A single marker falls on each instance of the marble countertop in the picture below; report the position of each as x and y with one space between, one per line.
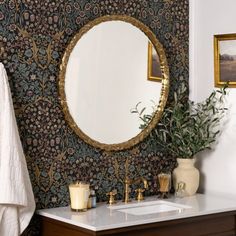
105 217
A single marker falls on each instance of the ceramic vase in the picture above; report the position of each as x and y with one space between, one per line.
186 173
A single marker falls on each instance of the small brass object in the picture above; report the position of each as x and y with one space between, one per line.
128 182
139 192
165 184
111 195
180 191
127 190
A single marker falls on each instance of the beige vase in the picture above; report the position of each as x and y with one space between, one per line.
186 172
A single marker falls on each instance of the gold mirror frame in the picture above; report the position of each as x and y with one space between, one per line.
164 90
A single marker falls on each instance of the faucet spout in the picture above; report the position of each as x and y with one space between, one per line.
128 182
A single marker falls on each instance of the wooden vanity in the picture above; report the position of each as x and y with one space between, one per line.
206 215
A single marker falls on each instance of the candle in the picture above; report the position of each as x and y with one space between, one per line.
79 194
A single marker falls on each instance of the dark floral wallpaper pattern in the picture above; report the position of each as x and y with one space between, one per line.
33 37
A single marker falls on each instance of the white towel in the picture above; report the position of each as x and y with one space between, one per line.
17 203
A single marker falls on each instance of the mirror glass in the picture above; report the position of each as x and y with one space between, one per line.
106 75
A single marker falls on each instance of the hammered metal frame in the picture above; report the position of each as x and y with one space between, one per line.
164 91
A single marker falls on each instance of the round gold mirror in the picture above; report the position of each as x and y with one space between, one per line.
110 65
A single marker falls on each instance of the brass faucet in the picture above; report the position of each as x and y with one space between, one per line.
128 182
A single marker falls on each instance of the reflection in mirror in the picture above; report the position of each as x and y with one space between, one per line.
154 67
105 77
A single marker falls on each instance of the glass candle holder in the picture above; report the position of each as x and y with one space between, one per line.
79 194
164 180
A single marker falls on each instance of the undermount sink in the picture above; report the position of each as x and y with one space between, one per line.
151 207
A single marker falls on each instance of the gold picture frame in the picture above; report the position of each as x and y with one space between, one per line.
225 60
154 66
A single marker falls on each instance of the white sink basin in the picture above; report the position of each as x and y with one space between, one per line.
151 207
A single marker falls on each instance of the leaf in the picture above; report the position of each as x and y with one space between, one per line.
186 127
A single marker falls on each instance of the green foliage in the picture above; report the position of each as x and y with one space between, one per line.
187 128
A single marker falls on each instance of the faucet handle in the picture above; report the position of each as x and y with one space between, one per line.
111 197
139 192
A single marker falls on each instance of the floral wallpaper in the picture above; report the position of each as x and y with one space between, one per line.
33 37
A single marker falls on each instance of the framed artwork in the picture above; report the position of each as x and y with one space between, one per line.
225 59
154 67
